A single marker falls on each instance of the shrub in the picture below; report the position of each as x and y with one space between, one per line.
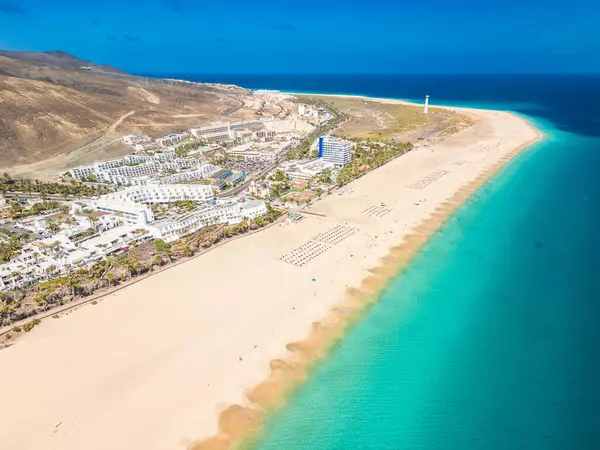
94 302
28 326
161 246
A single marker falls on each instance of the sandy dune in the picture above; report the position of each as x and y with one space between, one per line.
151 366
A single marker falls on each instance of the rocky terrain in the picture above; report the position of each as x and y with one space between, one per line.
53 104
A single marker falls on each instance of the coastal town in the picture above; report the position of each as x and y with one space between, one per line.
297 226
210 179
248 218
270 235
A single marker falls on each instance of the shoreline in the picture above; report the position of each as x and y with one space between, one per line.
148 345
105 292
241 424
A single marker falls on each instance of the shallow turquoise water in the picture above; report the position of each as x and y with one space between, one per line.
484 342
490 339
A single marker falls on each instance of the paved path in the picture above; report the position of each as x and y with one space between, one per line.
105 292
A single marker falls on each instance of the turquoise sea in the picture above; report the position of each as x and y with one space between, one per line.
491 338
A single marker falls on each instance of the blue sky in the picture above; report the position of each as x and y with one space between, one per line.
312 36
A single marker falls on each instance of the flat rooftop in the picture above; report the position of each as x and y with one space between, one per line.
108 236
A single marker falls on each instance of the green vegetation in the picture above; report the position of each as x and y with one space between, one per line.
84 234
157 208
161 246
368 156
26 302
53 228
10 249
185 205
73 189
279 175
303 148
181 152
18 212
183 149
381 121
219 159
324 177
278 189
44 206
30 325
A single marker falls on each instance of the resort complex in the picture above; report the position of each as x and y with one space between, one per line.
141 170
267 231
167 188
217 175
335 150
94 229
395 248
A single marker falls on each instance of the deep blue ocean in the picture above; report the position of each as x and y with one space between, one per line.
491 338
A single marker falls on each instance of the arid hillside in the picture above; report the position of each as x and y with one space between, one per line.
52 104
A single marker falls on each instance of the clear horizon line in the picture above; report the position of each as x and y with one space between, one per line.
386 74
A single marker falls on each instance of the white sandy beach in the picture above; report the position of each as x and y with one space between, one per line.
151 366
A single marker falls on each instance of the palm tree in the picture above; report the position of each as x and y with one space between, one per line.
74 284
93 220
53 228
28 186
42 297
186 251
157 261
133 264
112 279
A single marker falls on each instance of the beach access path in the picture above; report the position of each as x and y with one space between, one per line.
152 365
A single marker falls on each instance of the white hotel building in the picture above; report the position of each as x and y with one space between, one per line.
130 213
223 130
130 206
305 169
173 139
231 214
136 170
253 208
335 150
164 193
172 229
203 171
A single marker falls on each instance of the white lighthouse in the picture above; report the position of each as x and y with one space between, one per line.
426 109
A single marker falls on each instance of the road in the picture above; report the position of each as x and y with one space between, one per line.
112 128
240 187
230 112
10 195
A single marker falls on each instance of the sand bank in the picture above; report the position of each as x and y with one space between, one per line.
159 364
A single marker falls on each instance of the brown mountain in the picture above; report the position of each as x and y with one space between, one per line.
57 58
57 110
